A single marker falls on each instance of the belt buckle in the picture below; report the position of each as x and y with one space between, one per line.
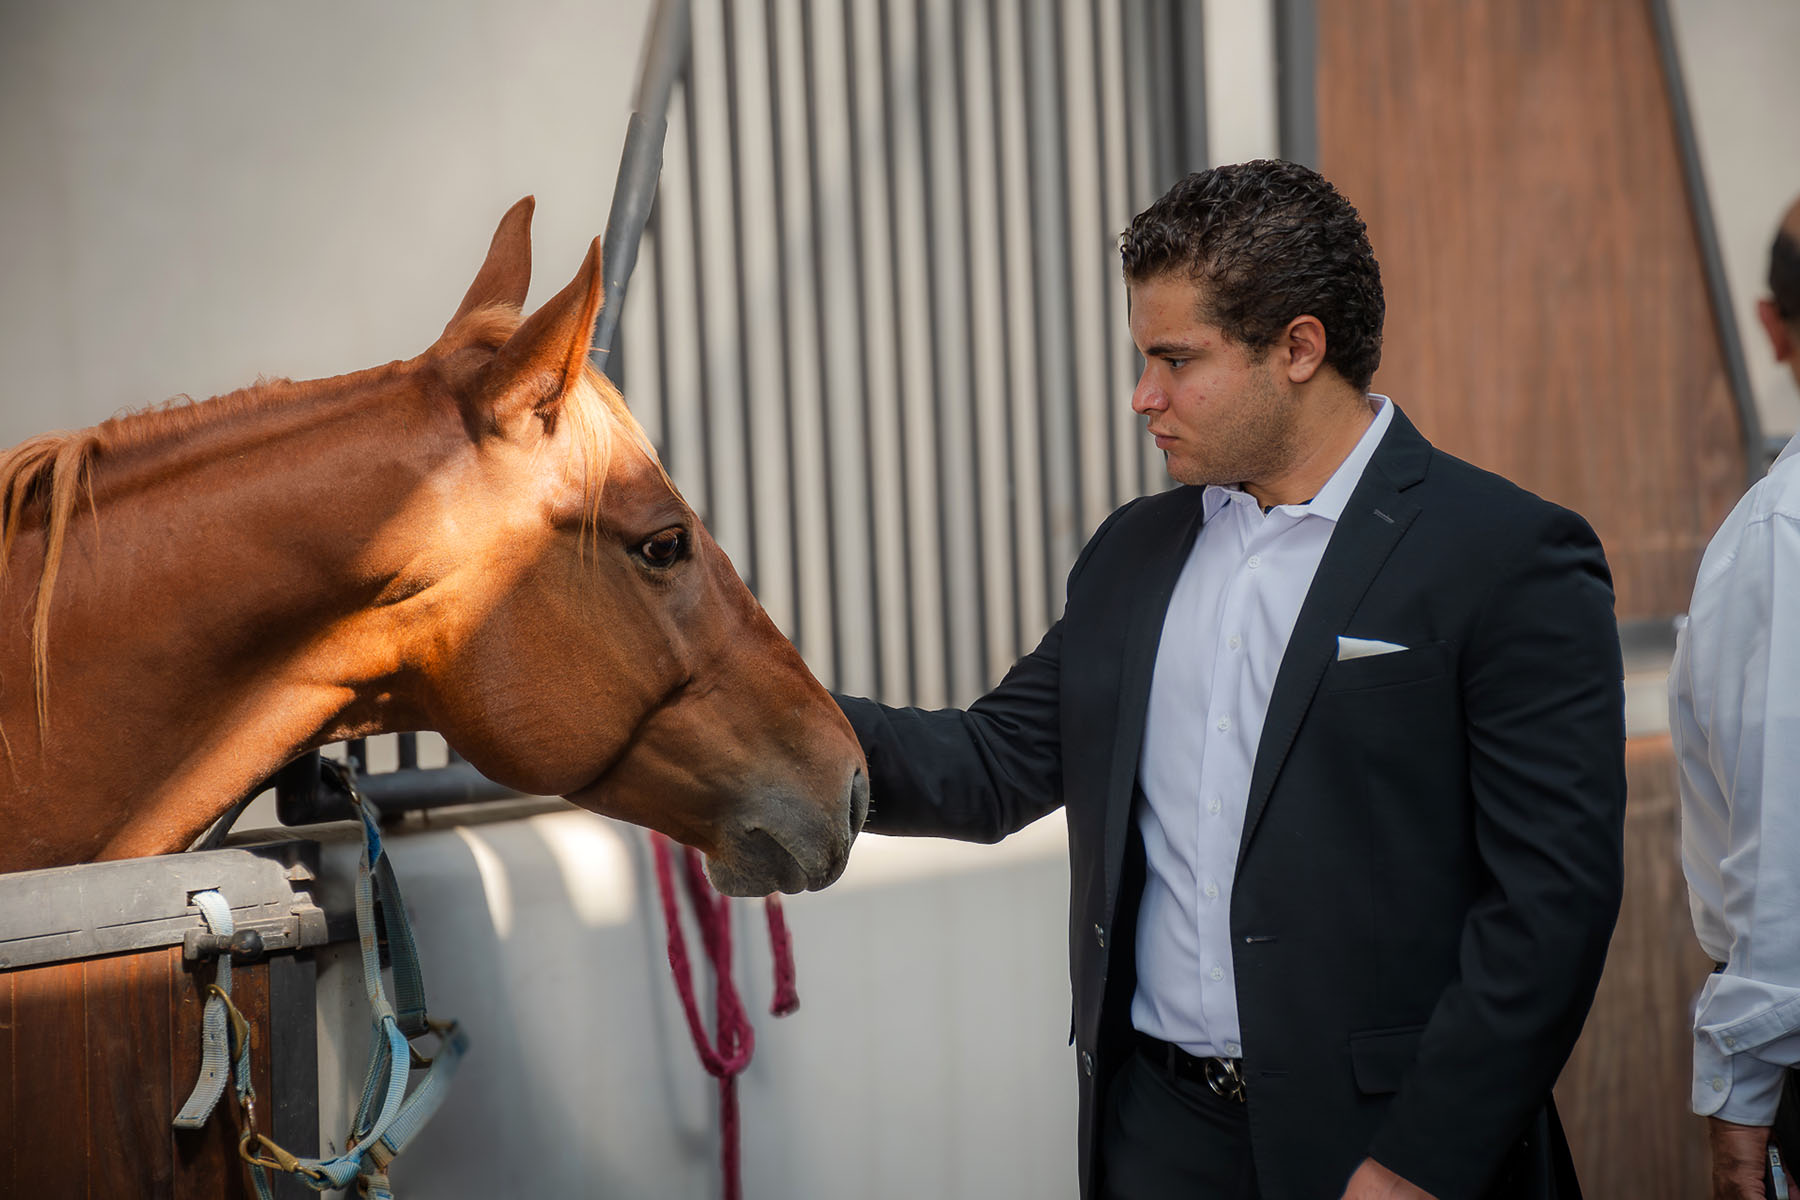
1224 1078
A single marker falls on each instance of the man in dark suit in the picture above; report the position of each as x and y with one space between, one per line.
1338 729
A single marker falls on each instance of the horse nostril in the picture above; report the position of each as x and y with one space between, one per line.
859 801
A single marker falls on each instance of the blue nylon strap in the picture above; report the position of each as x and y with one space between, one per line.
215 1054
387 1119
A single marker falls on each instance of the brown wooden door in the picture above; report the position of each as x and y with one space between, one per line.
95 1059
1517 163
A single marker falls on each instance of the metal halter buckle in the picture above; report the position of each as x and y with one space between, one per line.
1224 1078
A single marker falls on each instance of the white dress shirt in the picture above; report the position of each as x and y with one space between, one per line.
1228 624
1734 716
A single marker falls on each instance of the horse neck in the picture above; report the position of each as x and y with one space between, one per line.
208 621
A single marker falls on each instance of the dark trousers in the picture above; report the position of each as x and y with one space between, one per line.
1167 1136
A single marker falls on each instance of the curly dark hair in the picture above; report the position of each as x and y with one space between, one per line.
1268 241
1784 276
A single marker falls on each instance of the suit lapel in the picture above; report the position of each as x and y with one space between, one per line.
1374 520
1144 617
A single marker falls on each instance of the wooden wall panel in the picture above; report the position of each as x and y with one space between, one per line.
127 1011
1517 164
1624 1095
9 1077
50 1089
95 1058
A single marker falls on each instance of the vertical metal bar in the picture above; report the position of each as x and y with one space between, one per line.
659 264
934 369
1156 82
1045 199
1296 68
1758 450
697 232
1009 397
1050 222
979 652
1189 49
809 75
1109 361
746 400
1131 47
877 614
902 369
784 306
406 749
640 163
358 749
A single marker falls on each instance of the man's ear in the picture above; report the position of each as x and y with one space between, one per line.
537 366
1781 334
506 275
1303 347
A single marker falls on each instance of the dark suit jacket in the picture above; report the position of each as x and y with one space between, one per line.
1431 861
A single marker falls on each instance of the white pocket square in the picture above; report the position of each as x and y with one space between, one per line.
1349 647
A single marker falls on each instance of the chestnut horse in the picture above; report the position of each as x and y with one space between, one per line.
478 541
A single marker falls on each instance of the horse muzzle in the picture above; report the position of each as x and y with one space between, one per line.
788 846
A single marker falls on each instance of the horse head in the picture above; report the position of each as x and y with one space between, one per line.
582 634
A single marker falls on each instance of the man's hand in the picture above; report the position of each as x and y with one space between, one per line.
1739 1153
1373 1181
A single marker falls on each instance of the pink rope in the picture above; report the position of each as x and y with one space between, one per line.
728 1053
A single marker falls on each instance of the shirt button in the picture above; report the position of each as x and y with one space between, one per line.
1224 724
1212 891
1718 1084
1730 1041
1217 973
1087 1063
1233 1050
1235 641
1100 936
1255 561
1213 806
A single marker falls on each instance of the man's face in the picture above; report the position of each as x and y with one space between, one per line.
1219 411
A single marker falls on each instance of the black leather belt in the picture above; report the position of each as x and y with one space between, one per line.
1225 1076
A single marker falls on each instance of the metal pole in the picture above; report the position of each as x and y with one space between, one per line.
1759 451
640 163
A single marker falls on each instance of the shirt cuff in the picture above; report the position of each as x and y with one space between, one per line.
1740 1088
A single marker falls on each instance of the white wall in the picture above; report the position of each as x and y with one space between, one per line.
1744 85
928 1057
198 193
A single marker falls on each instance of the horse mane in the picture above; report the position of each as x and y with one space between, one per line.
56 469
52 473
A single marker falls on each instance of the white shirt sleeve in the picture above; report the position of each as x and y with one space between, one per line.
1734 691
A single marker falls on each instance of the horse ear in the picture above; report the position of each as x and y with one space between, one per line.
541 361
506 275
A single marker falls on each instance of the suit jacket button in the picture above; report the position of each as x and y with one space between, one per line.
1100 936
1087 1063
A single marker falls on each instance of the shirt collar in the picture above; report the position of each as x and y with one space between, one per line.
1791 450
1330 500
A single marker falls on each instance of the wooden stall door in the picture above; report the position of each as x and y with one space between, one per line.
1517 163
95 1058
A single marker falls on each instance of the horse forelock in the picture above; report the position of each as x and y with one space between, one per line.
595 416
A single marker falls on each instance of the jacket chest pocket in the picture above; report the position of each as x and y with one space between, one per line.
1396 668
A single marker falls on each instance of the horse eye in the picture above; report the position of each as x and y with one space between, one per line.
664 549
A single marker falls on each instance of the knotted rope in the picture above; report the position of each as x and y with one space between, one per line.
727 1054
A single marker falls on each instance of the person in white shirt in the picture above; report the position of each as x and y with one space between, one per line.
1734 716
